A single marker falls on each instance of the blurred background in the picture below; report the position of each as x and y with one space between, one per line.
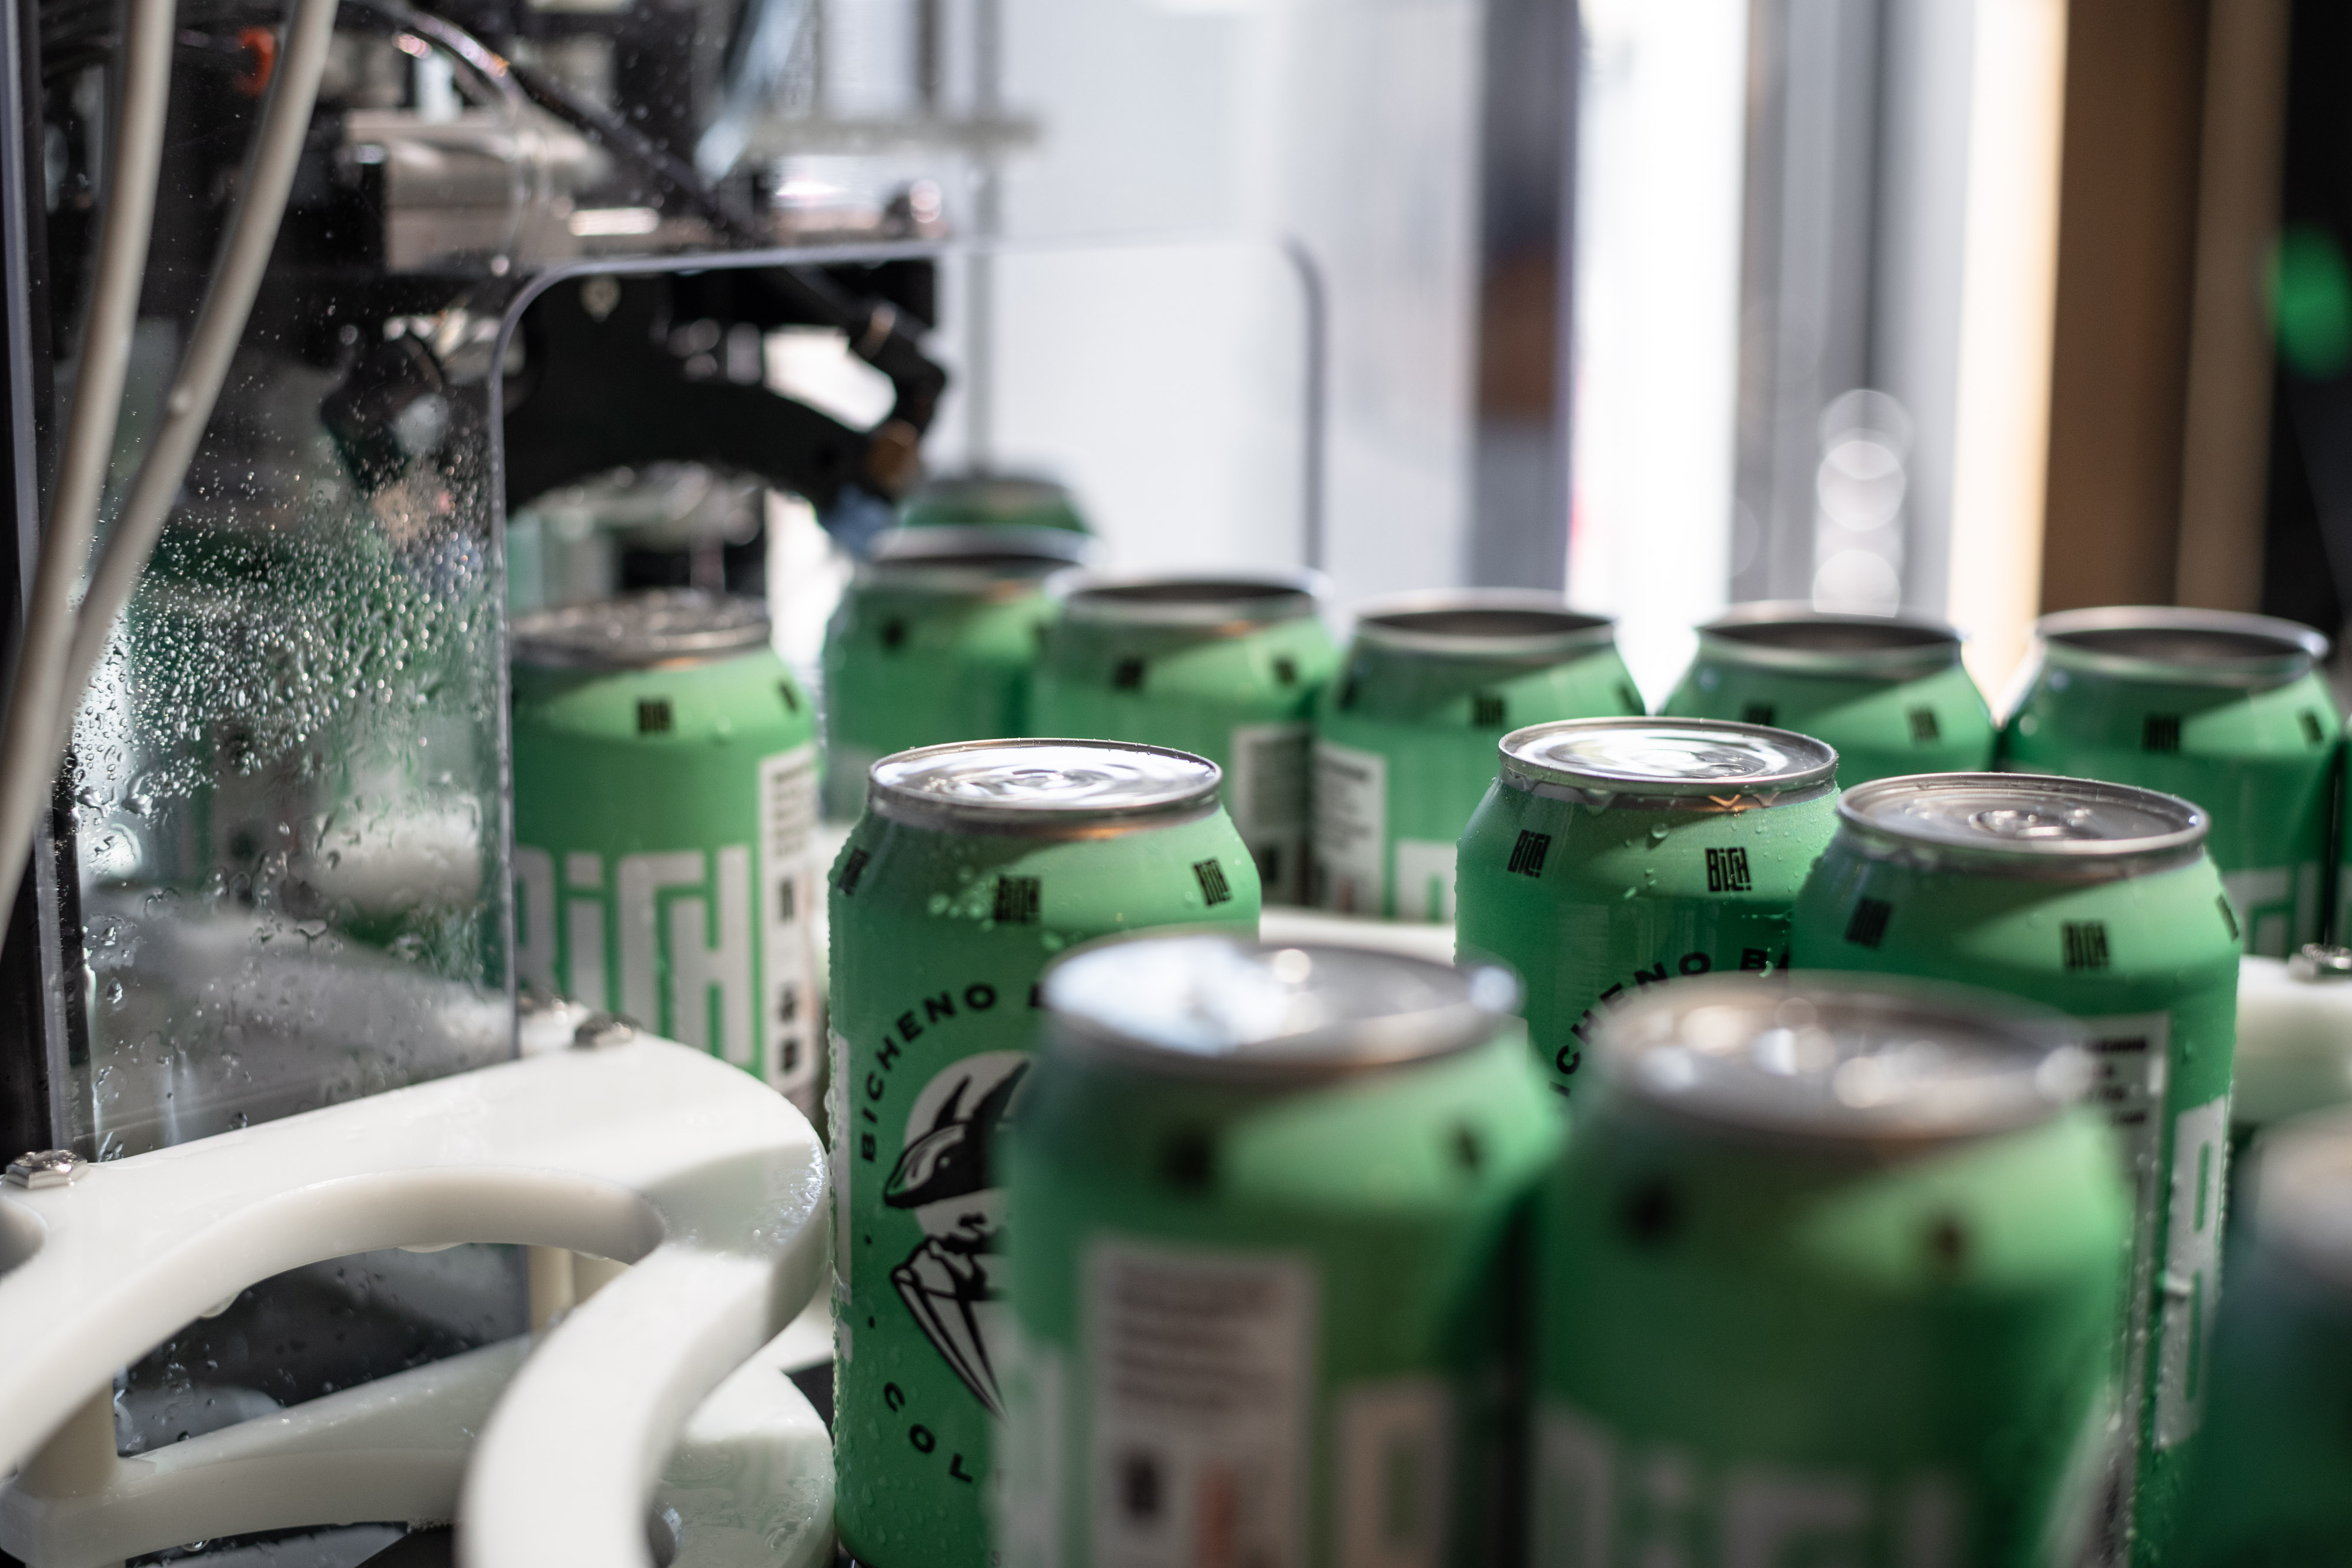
1972 307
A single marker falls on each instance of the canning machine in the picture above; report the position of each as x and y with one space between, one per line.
301 301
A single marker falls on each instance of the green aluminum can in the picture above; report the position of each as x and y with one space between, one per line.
934 641
2226 710
665 825
1225 666
1828 1276
992 501
2274 1483
1615 855
973 865
1889 694
1270 1208
2098 900
1404 739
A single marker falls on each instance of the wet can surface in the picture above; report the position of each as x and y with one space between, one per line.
1405 735
1225 666
2097 900
665 821
2226 710
1888 694
934 641
1829 1274
1270 1206
972 866
2275 1484
1613 855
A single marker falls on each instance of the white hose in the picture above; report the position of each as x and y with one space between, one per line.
36 686
220 325
36 743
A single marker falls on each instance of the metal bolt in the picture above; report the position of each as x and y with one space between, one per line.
604 1028
45 1167
2318 961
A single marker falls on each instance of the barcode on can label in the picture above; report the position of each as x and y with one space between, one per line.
1200 1369
1351 792
1267 792
2128 1055
787 892
2192 1268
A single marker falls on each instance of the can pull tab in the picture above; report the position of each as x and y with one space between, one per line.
2027 822
2318 962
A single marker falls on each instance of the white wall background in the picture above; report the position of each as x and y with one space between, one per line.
1657 321
1161 372
1151 330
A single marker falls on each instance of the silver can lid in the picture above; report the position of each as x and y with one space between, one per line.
1039 787
2303 1194
959 500
1783 635
1236 600
1028 549
1483 624
2195 647
638 631
1842 1058
2024 824
969 563
1695 763
1201 1004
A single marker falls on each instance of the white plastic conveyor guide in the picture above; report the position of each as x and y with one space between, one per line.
636 1150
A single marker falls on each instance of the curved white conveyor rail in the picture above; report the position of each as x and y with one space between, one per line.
638 1150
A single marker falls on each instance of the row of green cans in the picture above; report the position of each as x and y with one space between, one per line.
2226 710
1828 1273
1831 1272
954 633
973 865
958 633
1405 738
665 823
1612 858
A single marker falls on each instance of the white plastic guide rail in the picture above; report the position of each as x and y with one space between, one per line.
2295 1035
636 1150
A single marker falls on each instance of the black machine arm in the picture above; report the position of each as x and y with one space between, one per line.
603 386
